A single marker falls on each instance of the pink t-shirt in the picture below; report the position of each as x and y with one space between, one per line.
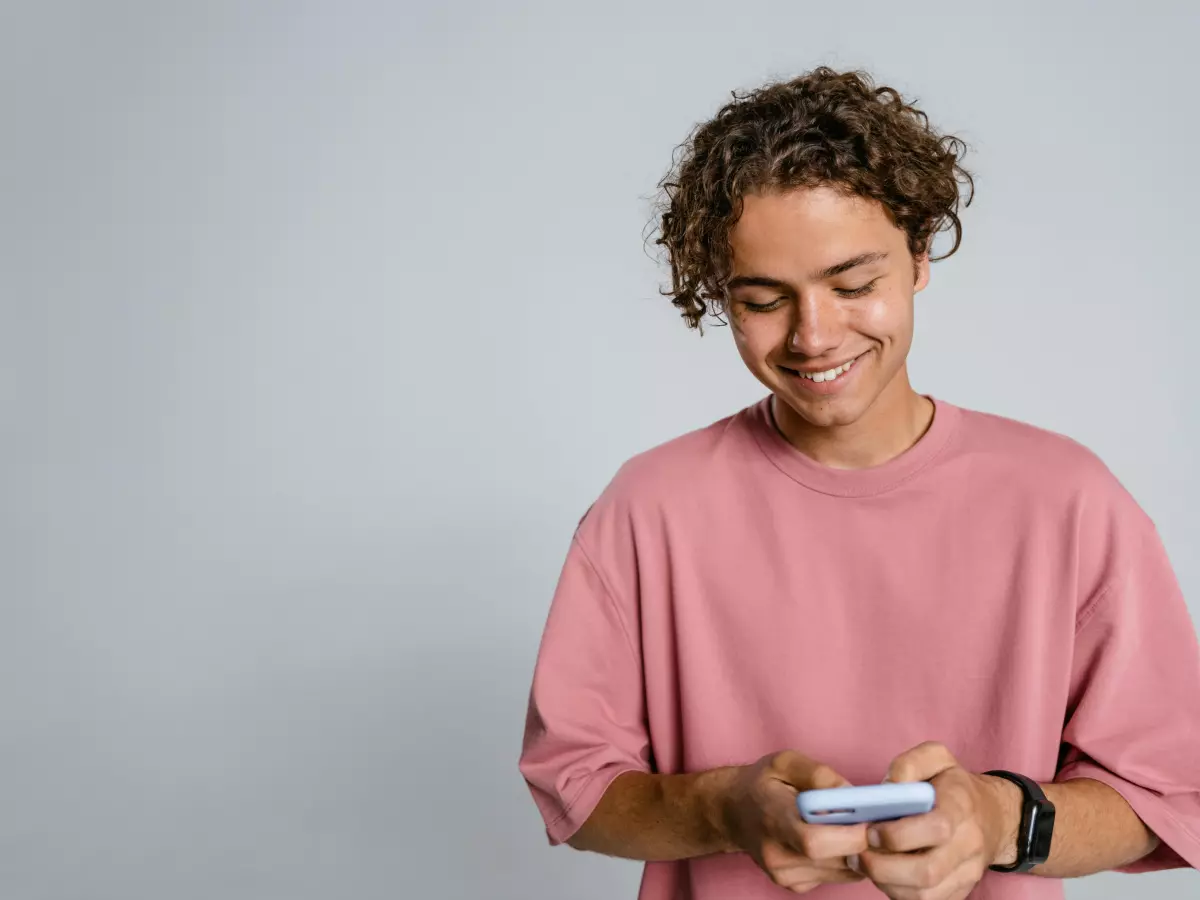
993 588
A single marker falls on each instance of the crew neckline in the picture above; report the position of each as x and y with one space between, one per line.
853 482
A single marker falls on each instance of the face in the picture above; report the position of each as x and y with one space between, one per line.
820 301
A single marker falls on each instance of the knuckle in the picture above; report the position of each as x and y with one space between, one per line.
777 876
978 842
823 776
814 844
807 843
783 758
979 868
772 856
927 875
942 828
904 764
934 748
786 760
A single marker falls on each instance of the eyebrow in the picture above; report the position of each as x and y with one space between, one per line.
828 272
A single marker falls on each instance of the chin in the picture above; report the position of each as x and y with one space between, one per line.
830 415
824 412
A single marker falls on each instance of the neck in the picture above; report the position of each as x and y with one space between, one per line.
891 425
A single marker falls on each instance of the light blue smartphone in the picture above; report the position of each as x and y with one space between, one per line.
865 803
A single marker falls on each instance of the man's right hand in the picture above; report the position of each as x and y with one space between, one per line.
759 816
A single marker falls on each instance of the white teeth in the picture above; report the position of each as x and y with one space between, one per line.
821 377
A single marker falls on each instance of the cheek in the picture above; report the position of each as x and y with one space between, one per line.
754 337
885 317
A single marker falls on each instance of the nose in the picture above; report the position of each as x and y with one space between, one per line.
816 328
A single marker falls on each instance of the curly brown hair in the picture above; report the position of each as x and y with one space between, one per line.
821 128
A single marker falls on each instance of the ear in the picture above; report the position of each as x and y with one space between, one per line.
921 271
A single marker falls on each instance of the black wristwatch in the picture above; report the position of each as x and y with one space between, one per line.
1037 824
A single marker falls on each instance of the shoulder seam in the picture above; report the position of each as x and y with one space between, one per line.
1085 615
609 594
1101 596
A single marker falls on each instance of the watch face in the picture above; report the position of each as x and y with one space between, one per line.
1042 827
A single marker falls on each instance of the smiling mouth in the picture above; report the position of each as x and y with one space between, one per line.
827 375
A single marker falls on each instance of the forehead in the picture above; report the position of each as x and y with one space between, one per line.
808 228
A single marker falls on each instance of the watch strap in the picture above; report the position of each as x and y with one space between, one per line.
1037 823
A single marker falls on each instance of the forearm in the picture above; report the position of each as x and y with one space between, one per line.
659 817
1095 829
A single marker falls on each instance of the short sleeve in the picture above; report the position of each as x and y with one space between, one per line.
1133 721
585 723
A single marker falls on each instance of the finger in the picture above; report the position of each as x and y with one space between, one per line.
926 869
931 829
819 870
828 842
922 763
802 884
805 774
798 873
956 886
780 858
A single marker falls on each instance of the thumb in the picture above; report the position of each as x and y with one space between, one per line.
922 763
806 774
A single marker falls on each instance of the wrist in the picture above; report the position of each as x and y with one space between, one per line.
714 795
1007 802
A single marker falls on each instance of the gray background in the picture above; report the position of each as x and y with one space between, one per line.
324 322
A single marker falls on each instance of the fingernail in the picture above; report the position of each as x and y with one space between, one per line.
853 863
873 838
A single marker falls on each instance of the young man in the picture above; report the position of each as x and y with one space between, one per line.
850 581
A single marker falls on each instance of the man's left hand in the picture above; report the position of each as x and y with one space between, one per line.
942 854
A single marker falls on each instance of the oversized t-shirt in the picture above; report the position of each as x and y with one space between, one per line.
993 588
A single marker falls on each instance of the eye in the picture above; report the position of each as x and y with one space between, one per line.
762 307
859 291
